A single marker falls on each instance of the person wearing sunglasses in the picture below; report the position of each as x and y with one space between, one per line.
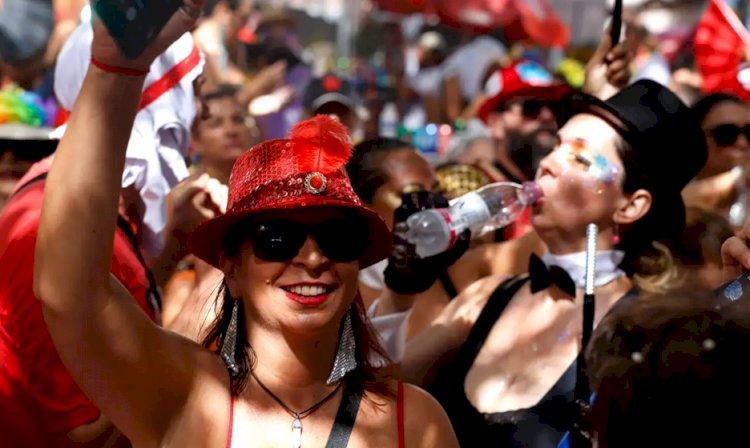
291 359
20 147
520 110
381 171
501 358
395 180
722 185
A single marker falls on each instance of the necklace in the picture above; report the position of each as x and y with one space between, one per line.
298 416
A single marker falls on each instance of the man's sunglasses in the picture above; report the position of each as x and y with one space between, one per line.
531 109
341 240
727 134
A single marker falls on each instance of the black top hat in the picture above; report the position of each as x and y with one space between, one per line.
328 89
669 147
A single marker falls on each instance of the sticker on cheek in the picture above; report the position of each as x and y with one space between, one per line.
603 172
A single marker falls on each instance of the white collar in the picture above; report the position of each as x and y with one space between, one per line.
606 266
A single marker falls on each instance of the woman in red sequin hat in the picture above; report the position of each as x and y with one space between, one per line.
291 359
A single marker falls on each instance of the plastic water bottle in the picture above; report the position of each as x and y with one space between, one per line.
491 207
389 120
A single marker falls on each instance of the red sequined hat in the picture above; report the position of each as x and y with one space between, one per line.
305 171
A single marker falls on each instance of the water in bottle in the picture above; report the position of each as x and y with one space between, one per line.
389 120
491 207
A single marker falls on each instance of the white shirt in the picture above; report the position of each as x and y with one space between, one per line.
470 62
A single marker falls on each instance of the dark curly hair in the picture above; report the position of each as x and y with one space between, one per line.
670 371
365 168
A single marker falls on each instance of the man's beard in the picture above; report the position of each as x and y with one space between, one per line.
527 150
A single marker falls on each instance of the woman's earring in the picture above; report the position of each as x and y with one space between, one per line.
346 355
616 234
229 345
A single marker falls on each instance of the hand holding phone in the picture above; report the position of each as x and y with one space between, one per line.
132 33
134 24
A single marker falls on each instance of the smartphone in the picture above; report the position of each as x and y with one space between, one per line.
134 24
616 23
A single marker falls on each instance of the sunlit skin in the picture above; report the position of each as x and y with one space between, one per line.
406 170
600 169
162 389
261 283
544 124
572 196
537 337
222 137
12 170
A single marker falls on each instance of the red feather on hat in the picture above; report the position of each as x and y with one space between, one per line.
322 144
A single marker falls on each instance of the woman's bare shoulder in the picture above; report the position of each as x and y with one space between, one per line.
425 421
205 414
475 295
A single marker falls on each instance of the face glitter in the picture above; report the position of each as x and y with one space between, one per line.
601 170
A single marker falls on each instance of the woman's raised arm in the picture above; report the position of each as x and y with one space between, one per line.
137 374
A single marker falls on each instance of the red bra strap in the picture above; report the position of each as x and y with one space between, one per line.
400 406
231 423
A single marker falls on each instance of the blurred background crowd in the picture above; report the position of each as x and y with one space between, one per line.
439 95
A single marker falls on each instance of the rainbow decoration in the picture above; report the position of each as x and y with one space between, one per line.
23 107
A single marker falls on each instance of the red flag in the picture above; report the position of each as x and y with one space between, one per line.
533 20
404 6
541 24
720 44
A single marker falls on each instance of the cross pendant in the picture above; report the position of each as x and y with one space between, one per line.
297 433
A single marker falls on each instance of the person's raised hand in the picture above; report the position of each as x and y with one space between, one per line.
608 70
735 255
105 50
193 201
406 272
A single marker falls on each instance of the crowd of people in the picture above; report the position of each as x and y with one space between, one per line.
205 245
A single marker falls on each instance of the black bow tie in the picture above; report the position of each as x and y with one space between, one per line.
543 277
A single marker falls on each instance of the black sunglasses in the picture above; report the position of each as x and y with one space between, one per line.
727 134
28 150
340 240
532 109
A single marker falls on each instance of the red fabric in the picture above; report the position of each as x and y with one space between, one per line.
118 70
520 226
41 393
720 42
405 6
154 91
400 416
62 117
533 20
17 416
170 79
306 170
231 422
538 22
523 79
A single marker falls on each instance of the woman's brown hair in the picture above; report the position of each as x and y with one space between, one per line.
646 242
668 371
